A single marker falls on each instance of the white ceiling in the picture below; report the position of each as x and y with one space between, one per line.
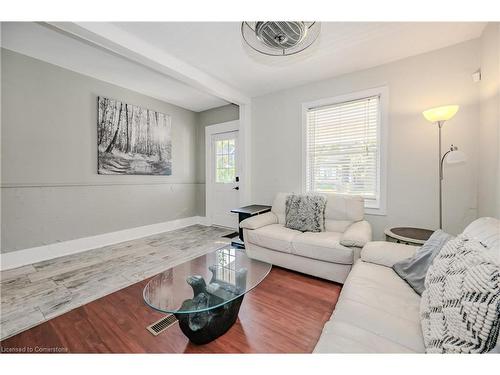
47 44
213 53
217 49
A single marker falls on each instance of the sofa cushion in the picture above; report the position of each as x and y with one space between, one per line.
275 237
279 206
323 246
358 234
380 288
486 230
305 212
258 221
376 311
386 253
342 337
340 211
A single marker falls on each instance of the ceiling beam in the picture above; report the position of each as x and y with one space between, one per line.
119 41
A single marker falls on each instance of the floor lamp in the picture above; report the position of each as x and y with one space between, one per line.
439 116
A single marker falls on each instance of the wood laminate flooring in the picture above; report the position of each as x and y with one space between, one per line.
285 313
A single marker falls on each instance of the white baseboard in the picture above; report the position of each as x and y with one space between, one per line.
24 257
204 220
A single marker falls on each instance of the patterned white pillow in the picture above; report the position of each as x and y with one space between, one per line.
460 307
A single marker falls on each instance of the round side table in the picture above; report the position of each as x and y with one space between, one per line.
408 235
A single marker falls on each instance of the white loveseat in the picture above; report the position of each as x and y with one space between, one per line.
329 254
377 312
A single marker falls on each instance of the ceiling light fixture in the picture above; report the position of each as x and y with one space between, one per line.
280 38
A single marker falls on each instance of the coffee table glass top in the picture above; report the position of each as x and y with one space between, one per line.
204 283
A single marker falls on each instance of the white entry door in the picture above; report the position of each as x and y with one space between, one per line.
224 179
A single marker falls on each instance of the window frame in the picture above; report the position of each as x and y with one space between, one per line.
379 206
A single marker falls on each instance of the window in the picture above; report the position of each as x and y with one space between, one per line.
343 150
225 168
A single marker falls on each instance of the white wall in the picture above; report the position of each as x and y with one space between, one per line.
415 84
489 124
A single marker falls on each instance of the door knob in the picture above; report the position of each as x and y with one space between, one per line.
236 188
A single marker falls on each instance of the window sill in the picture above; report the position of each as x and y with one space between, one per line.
375 211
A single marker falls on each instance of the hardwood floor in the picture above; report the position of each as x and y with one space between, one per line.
283 314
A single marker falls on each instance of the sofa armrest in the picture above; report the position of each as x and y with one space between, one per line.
386 253
258 221
357 234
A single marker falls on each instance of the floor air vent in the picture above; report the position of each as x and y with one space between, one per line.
161 325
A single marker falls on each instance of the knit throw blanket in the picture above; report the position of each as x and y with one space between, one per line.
460 306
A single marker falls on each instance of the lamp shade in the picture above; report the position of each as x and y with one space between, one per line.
456 156
440 113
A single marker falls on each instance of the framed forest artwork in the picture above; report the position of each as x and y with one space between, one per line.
132 140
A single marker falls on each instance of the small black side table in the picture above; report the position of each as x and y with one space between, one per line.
244 213
408 235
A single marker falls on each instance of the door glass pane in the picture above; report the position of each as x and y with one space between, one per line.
231 146
220 164
225 162
218 148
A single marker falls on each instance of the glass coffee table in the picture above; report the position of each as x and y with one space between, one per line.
205 294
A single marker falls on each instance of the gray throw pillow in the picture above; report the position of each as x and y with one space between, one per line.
305 212
414 269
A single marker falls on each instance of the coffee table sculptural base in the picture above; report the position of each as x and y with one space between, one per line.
206 325
205 293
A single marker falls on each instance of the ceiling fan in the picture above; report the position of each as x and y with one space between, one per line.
280 38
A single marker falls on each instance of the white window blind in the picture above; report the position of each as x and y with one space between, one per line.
343 148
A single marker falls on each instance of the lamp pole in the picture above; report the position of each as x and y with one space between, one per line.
440 162
441 176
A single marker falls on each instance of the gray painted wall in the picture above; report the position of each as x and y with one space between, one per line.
415 84
489 124
50 187
213 116
51 192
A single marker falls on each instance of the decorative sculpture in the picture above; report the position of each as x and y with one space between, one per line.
207 315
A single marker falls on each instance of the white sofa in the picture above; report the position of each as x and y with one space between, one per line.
377 312
329 254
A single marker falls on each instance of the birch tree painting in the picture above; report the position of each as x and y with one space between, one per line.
132 139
